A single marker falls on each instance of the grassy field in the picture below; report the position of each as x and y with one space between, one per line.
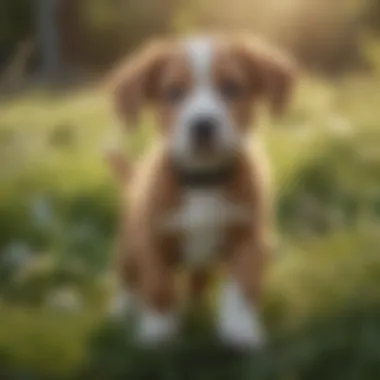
58 209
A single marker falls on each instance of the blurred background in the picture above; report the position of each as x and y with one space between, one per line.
59 203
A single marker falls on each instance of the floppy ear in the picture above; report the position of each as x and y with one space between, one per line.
272 73
134 82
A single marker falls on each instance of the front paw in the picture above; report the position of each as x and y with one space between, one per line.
154 328
238 323
241 329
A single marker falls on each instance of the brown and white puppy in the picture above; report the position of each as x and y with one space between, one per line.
201 197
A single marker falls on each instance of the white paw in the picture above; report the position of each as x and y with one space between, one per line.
241 330
155 328
238 323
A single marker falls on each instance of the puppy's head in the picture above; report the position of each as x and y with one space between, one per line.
203 90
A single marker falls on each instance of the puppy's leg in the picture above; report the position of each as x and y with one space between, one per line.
153 193
159 320
197 285
147 289
238 320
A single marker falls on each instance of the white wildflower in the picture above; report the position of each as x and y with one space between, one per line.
65 299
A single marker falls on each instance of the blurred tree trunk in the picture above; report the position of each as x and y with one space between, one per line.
70 24
48 36
15 74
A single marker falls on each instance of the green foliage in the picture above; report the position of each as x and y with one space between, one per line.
342 346
48 344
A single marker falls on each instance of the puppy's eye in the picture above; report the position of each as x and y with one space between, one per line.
231 90
174 94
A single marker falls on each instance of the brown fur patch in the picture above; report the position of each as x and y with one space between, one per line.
271 72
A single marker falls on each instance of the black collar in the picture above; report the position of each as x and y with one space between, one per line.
201 178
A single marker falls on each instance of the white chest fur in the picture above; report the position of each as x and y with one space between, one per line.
201 219
204 215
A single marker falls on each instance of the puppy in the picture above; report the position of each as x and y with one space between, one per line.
201 196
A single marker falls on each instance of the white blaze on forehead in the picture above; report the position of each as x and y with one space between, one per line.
202 101
200 52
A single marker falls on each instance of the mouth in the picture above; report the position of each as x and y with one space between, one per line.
205 176
212 150
205 159
205 149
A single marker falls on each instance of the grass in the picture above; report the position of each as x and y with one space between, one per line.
45 342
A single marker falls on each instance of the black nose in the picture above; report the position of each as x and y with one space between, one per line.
203 131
